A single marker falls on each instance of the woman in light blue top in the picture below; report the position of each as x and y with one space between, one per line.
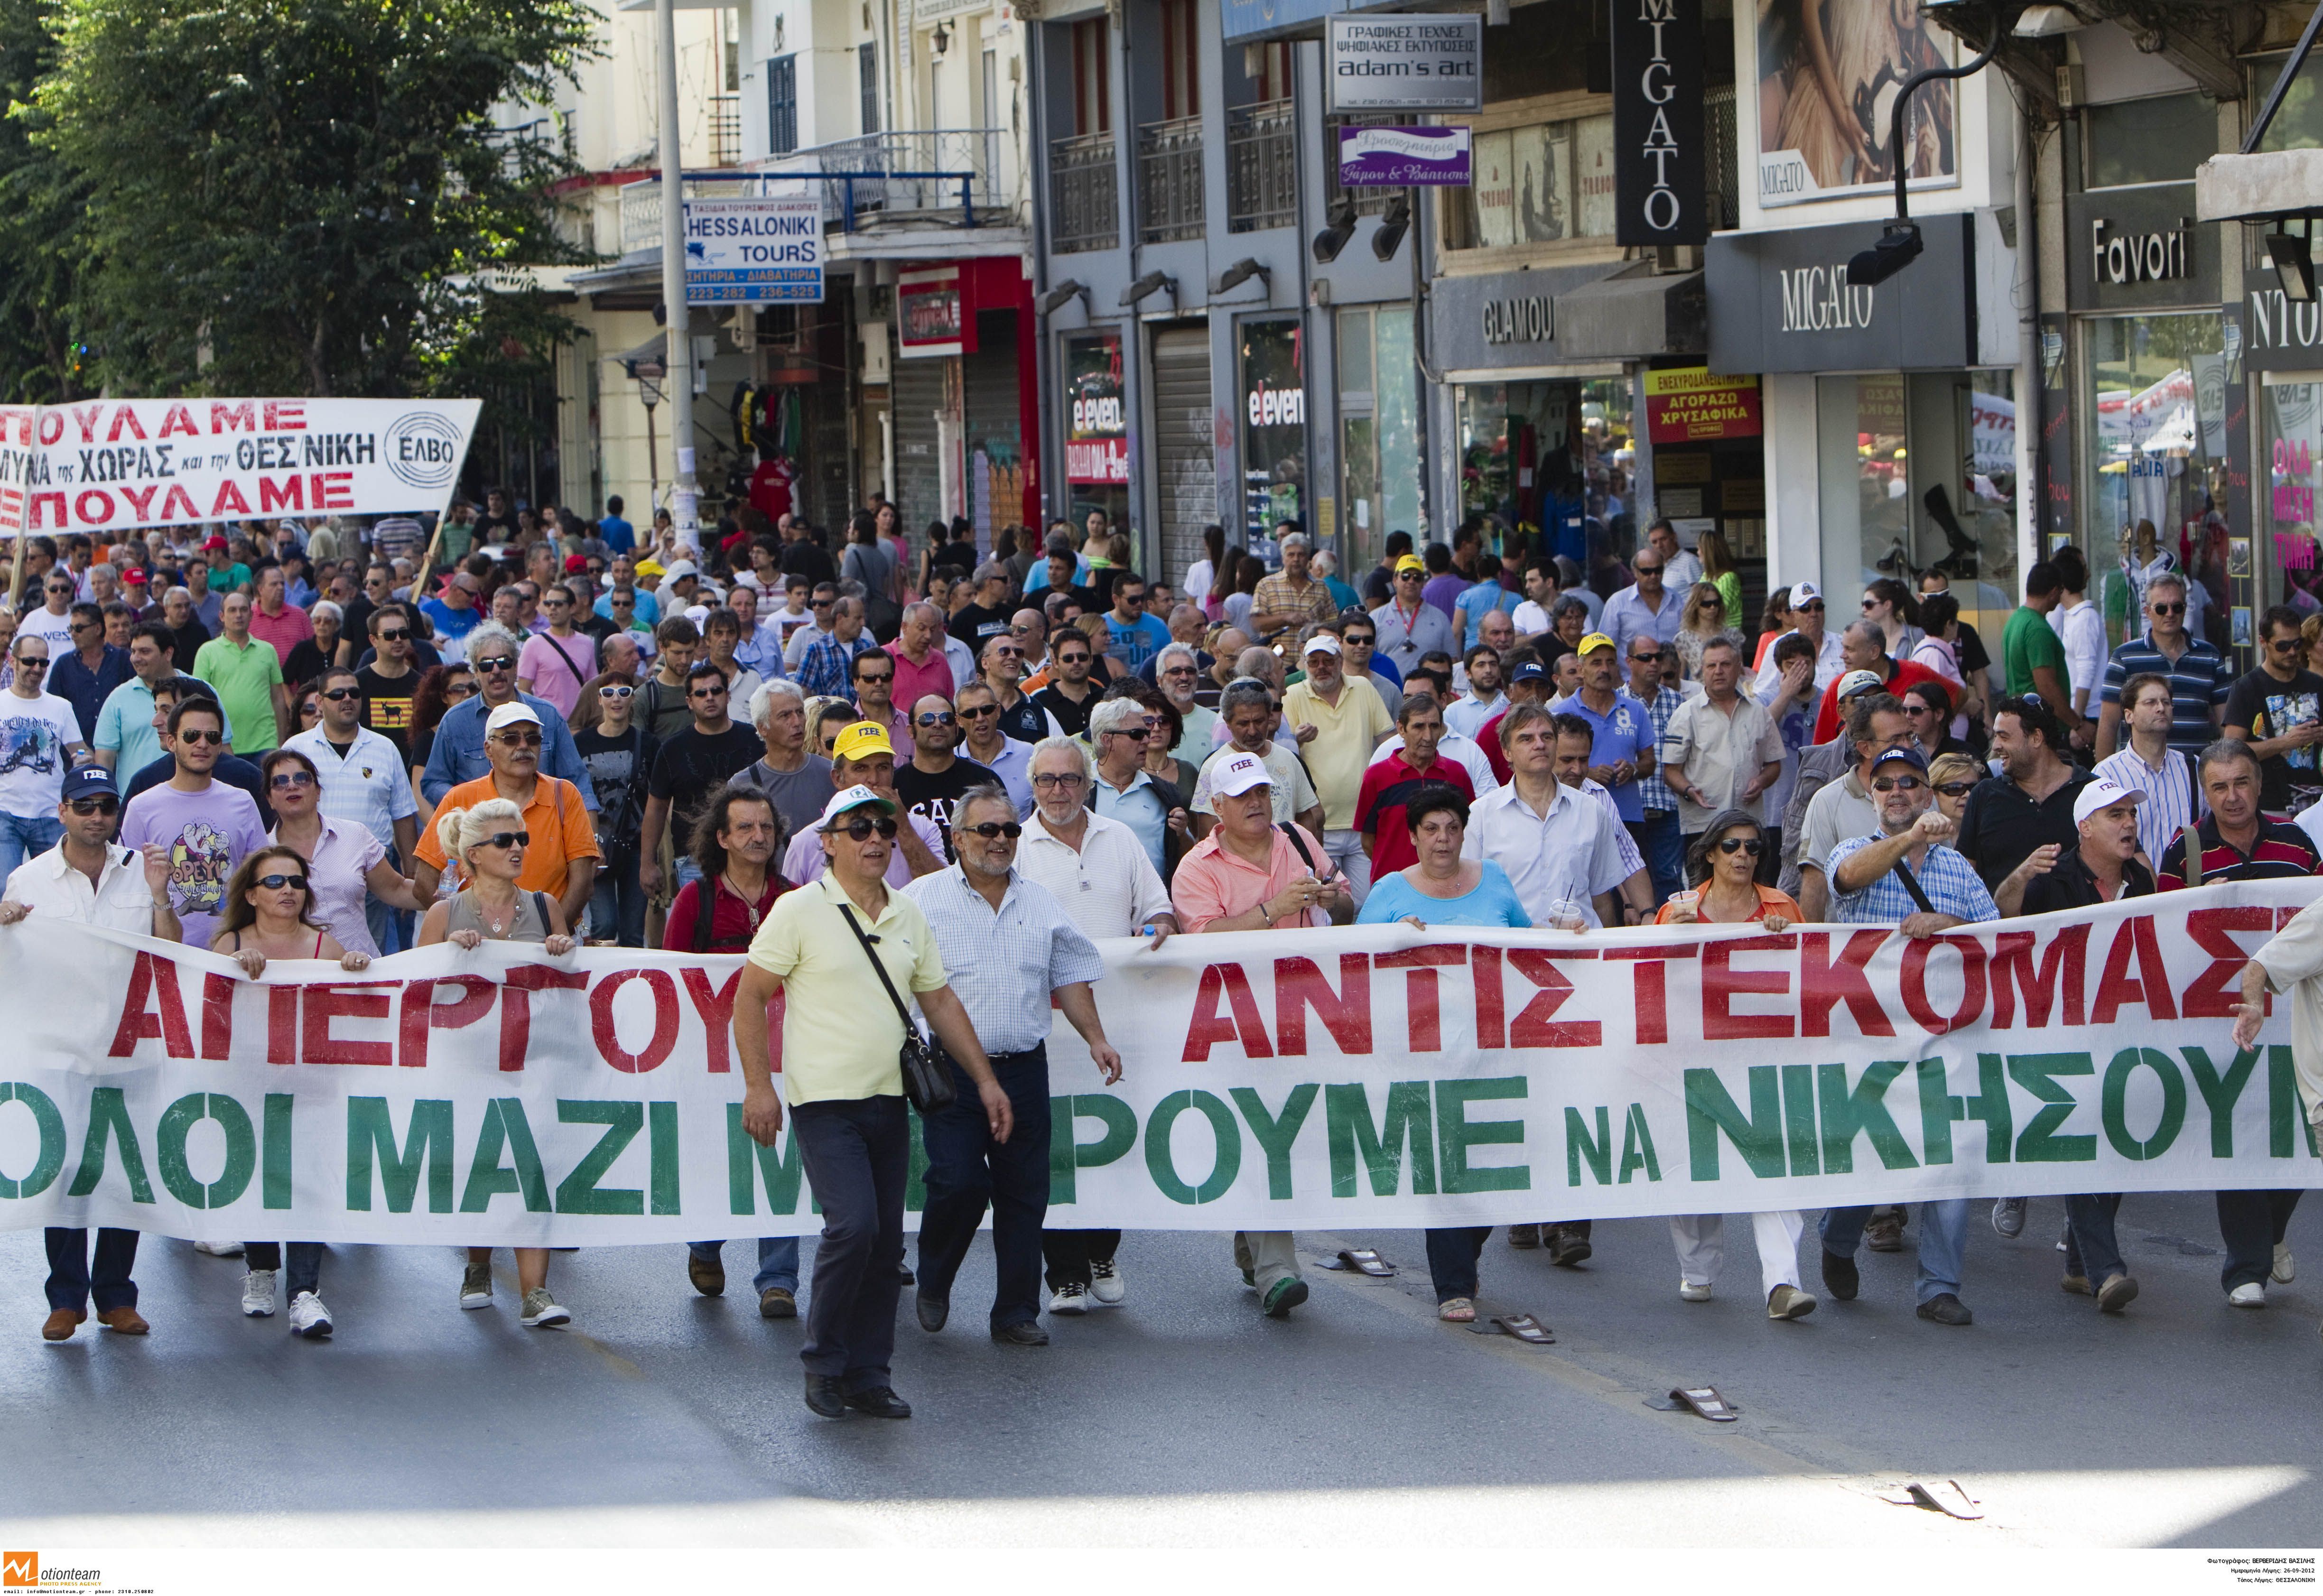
1443 888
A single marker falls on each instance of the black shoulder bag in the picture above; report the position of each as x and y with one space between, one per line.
927 1079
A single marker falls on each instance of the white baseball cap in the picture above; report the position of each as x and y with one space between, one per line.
2102 794
1805 593
1320 643
852 798
515 712
1239 774
678 570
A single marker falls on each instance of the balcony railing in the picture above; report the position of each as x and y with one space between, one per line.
1084 194
1721 175
1170 180
725 130
1262 167
914 175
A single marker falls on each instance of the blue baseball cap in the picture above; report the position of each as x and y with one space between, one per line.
89 781
1902 755
1528 671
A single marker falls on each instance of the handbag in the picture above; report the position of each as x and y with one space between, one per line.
927 1079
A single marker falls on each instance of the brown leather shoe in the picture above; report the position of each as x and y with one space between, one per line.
123 1321
708 1275
775 1303
62 1323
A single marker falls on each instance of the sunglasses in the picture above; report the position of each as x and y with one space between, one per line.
395 636
458 690
821 603
615 691
1753 846
1813 609
991 828
508 839
31 662
940 718
1649 658
518 739
85 626
338 694
1896 783
494 664
1072 659
87 806
2285 644
1647 570
1353 640
2167 608
882 679
708 693
287 779
860 830
1956 789
199 738
978 713
277 882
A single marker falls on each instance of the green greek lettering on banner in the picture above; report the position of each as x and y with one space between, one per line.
747 1163
507 1130
371 1135
1347 1118
1863 1110
1275 1132
177 1122
1711 1110
2037 1073
1164 1169
2283 1105
50 1161
578 1193
1067 1157
2220 1093
1799 1119
661 1146
1638 1147
1581 1147
2114 1103
275 1179
108 1125
1456 1134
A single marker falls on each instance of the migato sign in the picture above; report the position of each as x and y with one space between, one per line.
1820 299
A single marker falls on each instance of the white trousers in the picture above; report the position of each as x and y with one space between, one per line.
1701 1242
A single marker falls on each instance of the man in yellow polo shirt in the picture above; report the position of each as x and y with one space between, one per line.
561 854
1348 720
247 672
841 1033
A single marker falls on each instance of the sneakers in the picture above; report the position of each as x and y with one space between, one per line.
2249 1294
310 1318
219 1249
1688 1291
1108 1288
2117 1294
476 1286
541 1311
1073 1298
1944 1308
2078 1285
1789 1302
258 1294
2008 1217
2286 1267
1283 1295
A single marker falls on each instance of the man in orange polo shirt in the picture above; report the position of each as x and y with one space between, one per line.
1249 874
561 855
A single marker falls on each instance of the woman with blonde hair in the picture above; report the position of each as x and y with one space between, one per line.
1718 570
1703 618
270 914
488 841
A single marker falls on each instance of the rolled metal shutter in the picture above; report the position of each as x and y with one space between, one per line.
1183 450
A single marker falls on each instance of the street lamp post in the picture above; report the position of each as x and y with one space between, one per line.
684 494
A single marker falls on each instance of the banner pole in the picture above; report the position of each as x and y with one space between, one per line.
24 526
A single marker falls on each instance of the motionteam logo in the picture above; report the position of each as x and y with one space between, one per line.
22 1571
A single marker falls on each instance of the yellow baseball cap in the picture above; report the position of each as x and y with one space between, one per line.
861 740
1593 642
649 568
1411 563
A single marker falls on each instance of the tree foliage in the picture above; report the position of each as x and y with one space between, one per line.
41 359
299 196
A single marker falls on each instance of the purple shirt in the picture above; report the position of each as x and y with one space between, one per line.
1444 592
207 834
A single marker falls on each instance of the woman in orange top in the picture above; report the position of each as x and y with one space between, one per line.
1723 865
1720 865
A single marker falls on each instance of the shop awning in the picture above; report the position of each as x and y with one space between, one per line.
1633 314
2259 187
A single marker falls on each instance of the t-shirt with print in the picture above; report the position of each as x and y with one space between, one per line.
618 768
206 835
34 733
933 796
387 706
2265 708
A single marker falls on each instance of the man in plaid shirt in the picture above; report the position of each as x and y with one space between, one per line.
1658 837
1868 885
826 667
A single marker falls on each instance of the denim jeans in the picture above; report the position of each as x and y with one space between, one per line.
24 836
1345 850
71 1280
968 1172
858 1152
618 907
2092 1248
2252 1224
1452 1255
306 1271
1943 1238
682 869
1658 838
777 1262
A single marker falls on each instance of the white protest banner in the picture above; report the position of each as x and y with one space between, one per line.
110 466
1373 1077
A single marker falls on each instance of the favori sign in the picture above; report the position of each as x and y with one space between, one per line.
112 464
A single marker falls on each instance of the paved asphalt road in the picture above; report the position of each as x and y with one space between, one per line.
1184 1417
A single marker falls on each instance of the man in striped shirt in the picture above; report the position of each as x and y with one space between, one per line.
2201 678
2149 765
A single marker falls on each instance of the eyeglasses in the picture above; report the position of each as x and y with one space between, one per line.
978 712
991 828
1753 846
338 694
87 806
502 664
1181 671
197 738
1065 779
615 691
939 718
277 882
1956 789
518 740
860 830
508 839
1896 783
282 780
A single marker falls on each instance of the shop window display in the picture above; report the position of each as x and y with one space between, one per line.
2155 405
1553 459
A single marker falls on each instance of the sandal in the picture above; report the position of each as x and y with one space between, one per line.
1457 1310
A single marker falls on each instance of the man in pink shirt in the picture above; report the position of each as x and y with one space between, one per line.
921 668
1250 875
276 619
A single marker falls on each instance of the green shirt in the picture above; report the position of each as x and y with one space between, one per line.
245 679
237 576
2025 643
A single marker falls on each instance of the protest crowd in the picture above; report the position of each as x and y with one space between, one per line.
901 772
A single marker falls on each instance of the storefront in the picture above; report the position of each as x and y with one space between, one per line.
1272 353
966 441
1901 421
1096 425
2280 339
